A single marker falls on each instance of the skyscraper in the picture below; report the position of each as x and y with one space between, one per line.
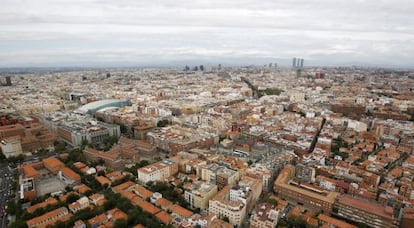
294 62
301 63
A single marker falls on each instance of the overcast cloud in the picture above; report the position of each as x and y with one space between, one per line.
154 32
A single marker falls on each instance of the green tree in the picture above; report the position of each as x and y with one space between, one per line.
60 146
12 207
19 223
163 123
121 223
72 198
123 128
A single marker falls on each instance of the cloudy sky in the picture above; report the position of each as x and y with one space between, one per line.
155 32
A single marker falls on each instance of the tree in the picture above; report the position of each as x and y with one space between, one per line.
72 198
121 223
12 207
60 146
267 199
123 128
19 223
17 159
163 123
2 157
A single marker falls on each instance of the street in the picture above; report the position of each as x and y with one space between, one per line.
6 180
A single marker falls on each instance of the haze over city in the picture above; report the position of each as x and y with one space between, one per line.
49 33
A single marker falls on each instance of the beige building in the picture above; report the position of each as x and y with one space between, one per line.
311 197
222 206
265 215
261 172
219 175
80 204
11 147
199 193
372 214
158 171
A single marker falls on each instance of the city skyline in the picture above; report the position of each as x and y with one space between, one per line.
155 33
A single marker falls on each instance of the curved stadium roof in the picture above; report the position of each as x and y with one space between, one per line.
92 107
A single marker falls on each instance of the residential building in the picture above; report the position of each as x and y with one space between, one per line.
305 173
369 213
80 204
116 158
265 215
69 176
199 193
222 206
108 217
53 164
27 188
11 147
260 171
311 197
158 171
219 175
329 222
50 218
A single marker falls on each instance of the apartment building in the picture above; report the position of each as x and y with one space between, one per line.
75 129
260 171
174 139
199 193
50 218
69 176
222 206
11 147
265 215
219 175
158 171
116 158
361 211
53 164
309 196
80 204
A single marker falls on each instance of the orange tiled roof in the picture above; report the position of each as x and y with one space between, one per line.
48 201
53 162
81 188
148 207
335 222
49 218
164 217
79 165
70 173
143 192
123 186
117 214
162 202
181 211
103 180
29 171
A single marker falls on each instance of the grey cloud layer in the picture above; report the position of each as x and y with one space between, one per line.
47 32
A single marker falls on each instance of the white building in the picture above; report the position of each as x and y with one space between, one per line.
199 194
221 206
80 204
11 147
158 171
265 215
